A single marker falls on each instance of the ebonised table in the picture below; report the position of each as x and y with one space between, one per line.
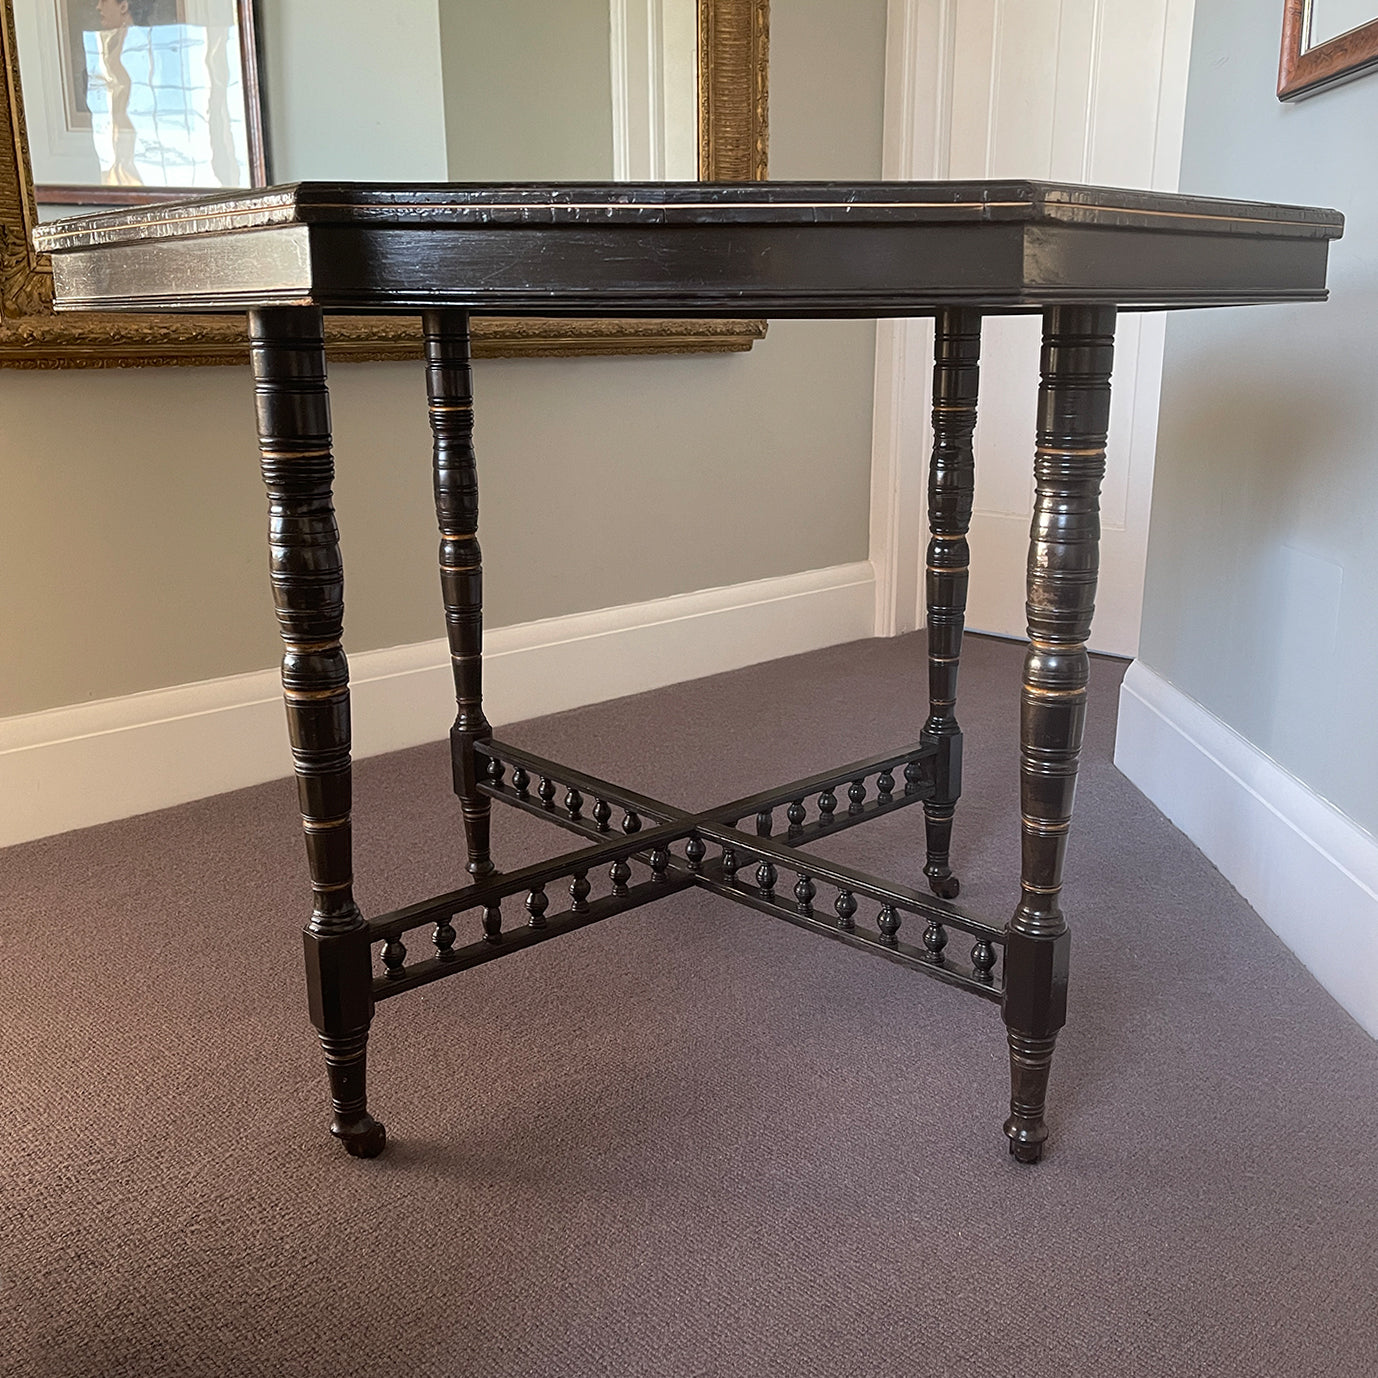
956 251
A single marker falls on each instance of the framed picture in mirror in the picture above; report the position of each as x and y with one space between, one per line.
135 101
1324 43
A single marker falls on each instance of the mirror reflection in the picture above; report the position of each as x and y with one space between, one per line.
133 100
379 90
1330 18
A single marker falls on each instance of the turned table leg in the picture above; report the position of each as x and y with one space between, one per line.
293 408
951 483
450 394
1069 464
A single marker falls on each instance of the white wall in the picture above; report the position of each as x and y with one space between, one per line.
1262 598
1249 716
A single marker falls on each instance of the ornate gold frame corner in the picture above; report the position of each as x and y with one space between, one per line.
733 53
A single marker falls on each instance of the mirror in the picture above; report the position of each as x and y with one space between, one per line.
522 90
1324 43
670 89
1329 19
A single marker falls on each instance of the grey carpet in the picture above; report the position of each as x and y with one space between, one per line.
691 1140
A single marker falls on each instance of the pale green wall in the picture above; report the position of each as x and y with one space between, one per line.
528 90
352 96
133 551
1262 591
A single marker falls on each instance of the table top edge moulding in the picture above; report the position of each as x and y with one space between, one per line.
685 250
459 203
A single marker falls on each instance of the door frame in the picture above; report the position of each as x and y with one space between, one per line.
920 62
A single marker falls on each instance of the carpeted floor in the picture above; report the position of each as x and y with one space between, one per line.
691 1140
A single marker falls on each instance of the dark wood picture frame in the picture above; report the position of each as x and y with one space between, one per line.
1304 70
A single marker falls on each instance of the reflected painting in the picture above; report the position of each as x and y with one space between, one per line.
135 100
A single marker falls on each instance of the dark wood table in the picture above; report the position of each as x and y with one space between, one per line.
956 251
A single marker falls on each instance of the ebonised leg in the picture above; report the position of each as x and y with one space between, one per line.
293 409
951 482
450 392
1069 464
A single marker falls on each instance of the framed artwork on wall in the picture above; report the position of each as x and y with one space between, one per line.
1325 42
132 101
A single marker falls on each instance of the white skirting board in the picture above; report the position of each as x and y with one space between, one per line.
1310 872
72 767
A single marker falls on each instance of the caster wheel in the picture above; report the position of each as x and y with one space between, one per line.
363 1138
945 887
